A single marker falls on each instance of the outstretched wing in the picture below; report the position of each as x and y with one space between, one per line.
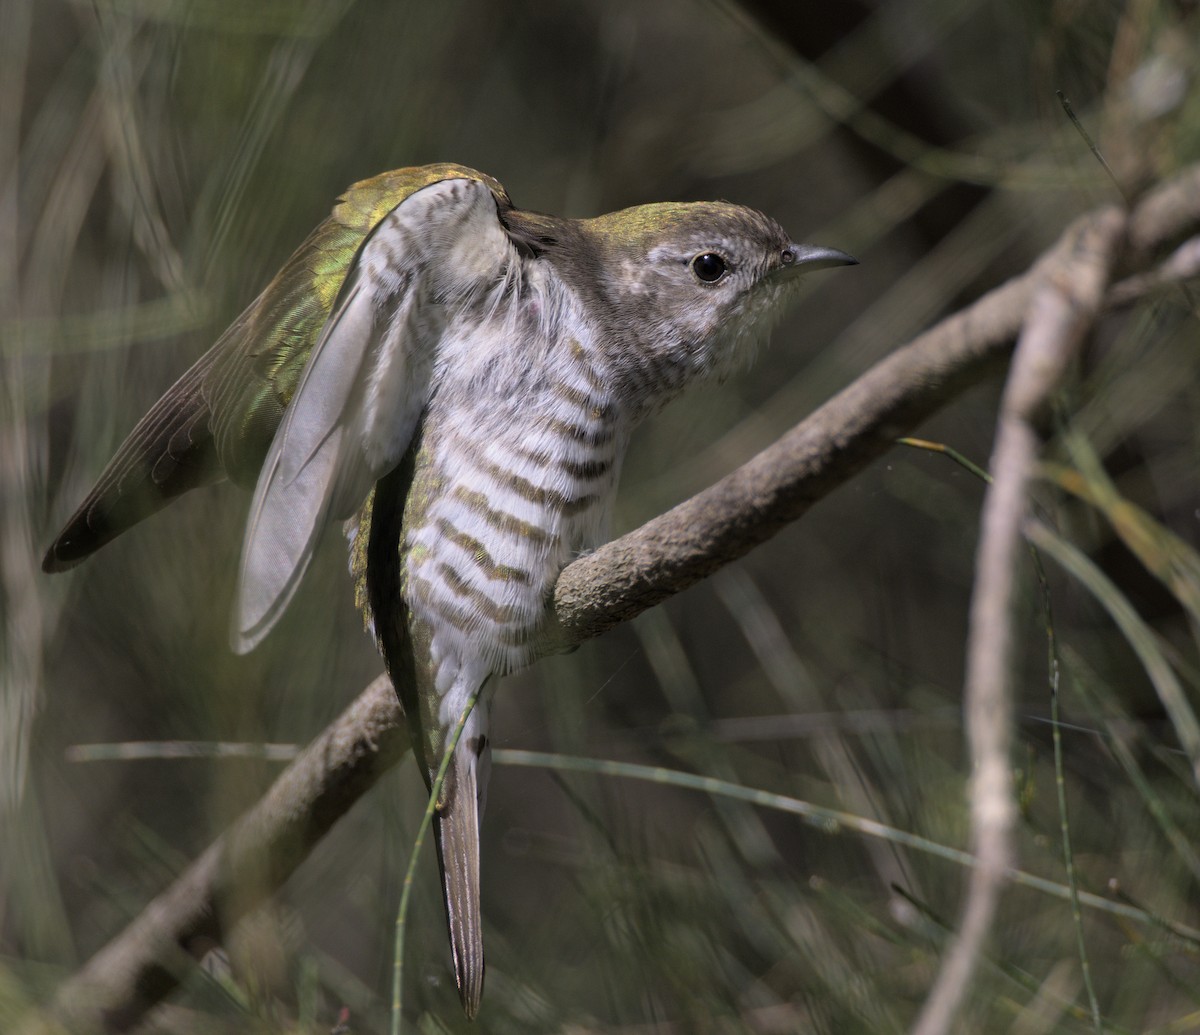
253 378
219 418
365 385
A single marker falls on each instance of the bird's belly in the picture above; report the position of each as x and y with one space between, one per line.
489 525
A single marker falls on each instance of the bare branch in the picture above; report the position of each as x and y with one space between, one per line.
1060 314
747 507
144 962
244 866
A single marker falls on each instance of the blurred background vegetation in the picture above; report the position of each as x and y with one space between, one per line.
160 160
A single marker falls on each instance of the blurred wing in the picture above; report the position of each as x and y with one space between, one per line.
219 418
364 388
168 452
252 380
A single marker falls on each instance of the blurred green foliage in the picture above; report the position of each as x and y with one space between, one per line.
161 160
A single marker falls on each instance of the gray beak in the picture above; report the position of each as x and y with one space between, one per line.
808 257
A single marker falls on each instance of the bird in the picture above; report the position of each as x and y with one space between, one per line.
458 379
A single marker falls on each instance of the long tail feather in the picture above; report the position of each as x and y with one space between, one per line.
456 831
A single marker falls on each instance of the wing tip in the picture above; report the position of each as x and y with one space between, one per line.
54 561
259 602
74 544
243 640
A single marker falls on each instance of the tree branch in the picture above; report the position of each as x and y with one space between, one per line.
728 519
145 961
242 868
1061 312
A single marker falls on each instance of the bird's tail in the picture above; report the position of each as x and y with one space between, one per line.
456 832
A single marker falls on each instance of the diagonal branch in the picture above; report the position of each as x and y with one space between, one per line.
728 519
142 964
238 871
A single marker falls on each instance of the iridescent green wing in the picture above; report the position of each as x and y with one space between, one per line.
262 356
366 382
219 418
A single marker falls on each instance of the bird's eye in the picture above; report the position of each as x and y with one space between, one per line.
709 267
788 257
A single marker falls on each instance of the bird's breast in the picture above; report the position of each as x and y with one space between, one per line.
515 474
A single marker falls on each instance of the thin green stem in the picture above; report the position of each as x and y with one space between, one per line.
1060 784
945 450
831 821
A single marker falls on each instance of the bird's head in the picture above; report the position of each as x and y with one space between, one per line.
683 290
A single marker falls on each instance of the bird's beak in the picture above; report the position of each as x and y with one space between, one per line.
809 257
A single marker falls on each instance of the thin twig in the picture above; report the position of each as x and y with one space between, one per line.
827 819
1060 313
1087 139
244 866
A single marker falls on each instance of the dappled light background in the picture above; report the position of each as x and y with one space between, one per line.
161 161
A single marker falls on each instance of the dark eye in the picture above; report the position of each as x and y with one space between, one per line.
709 267
788 257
